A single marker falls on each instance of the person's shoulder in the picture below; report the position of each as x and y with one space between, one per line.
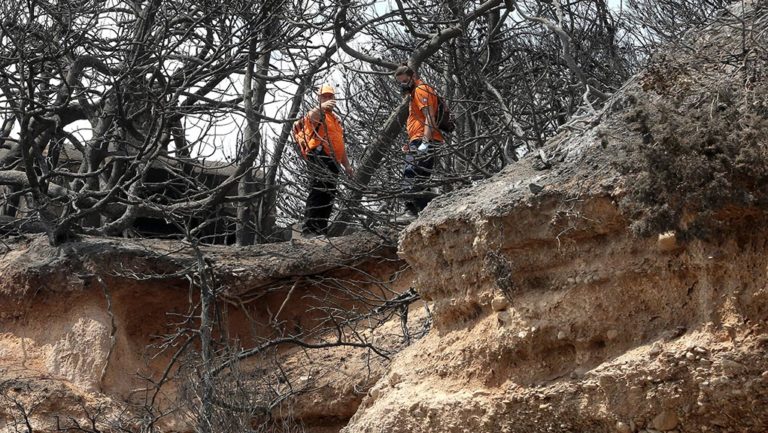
424 87
425 91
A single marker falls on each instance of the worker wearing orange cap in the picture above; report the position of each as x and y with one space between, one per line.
325 152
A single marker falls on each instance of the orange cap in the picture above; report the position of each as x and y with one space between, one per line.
325 89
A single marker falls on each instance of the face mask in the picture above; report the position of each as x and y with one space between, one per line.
406 87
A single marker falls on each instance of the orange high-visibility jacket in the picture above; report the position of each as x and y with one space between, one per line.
422 96
319 133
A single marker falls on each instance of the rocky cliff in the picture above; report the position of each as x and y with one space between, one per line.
92 330
619 285
625 288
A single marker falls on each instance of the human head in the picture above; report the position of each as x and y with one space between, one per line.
405 76
326 93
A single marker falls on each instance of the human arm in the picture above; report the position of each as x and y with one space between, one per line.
426 102
315 113
429 126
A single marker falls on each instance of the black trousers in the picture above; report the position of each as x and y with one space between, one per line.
418 170
323 174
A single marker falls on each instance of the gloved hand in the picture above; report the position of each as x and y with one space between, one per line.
424 146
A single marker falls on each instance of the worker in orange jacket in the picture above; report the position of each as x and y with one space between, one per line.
324 153
424 138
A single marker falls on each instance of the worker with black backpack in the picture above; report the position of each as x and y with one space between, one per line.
427 116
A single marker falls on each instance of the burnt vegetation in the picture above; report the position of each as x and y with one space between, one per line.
138 118
703 133
172 119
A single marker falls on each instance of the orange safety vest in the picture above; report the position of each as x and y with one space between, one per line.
318 134
422 96
308 136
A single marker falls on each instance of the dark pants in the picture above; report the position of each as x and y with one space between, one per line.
418 170
323 173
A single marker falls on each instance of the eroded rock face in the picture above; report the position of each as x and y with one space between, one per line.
602 328
554 308
81 325
80 354
628 335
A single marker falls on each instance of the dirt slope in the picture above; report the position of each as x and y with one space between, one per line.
626 288
82 325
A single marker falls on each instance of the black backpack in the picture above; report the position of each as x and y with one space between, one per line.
445 119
